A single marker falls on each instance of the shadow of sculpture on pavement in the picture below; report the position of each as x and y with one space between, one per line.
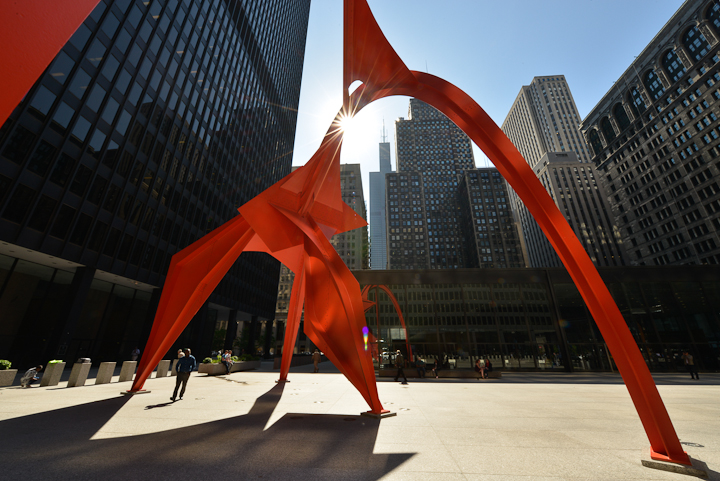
57 445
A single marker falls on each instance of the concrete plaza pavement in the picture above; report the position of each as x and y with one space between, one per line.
525 426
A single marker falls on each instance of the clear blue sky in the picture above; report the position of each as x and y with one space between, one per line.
487 48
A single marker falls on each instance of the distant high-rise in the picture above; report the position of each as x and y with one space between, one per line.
352 246
542 119
423 211
491 234
152 125
378 240
582 200
655 138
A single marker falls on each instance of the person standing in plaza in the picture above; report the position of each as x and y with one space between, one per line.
316 357
690 365
420 366
400 364
134 354
185 366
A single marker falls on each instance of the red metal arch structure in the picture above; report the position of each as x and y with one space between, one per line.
369 305
293 219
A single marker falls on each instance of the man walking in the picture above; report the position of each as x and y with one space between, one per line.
316 357
185 366
690 365
399 364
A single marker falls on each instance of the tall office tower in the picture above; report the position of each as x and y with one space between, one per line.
654 138
423 212
151 126
352 247
491 233
582 200
378 240
543 119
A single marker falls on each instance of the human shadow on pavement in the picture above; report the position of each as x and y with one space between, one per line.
57 445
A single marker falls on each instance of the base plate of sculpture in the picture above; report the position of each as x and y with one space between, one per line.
139 391
651 459
385 413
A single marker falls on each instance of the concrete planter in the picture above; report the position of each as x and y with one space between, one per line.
105 372
213 369
128 371
79 374
162 368
244 366
7 377
52 375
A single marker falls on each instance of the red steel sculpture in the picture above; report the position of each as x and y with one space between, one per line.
369 305
293 219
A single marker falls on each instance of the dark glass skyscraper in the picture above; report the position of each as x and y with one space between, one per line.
152 125
423 213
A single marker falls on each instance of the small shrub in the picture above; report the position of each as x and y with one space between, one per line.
4 365
207 360
55 361
235 358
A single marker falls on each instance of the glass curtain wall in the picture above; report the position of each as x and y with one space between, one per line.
540 322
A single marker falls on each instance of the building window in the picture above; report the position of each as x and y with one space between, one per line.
696 43
638 105
607 130
621 116
653 85
673 66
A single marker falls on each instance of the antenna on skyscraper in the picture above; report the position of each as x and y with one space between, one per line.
384 134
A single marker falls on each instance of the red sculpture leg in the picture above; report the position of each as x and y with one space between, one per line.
32 32
194 273
334 314
370 59
368 304
297 296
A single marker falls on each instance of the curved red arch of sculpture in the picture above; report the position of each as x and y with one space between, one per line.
369 305
370 59
293 219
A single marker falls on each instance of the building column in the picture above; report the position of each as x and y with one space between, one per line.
252 335
200 333
708 32
683 55
661 76
231 333
629 111
64 332
268 338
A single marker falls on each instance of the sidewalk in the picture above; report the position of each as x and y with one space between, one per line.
245 426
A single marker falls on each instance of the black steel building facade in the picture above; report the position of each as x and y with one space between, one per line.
535 319
151 126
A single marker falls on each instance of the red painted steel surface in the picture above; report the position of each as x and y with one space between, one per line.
32 32
293 219
370 304
370 59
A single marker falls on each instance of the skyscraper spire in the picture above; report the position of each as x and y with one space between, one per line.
384 133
